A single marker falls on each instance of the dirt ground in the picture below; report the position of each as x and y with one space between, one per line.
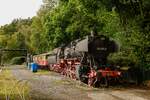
52 86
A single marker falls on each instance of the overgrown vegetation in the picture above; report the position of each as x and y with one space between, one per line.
18 60
61 21
12 89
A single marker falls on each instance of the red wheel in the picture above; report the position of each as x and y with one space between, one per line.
91 81
74 76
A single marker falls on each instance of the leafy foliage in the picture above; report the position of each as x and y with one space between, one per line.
61 21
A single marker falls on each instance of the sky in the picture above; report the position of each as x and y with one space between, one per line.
11 9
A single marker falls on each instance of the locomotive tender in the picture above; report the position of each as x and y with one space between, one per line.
85 60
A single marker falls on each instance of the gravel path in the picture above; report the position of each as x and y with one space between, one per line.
52 86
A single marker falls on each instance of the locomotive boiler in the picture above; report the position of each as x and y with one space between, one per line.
86 60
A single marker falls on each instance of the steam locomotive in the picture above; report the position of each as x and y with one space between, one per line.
83 59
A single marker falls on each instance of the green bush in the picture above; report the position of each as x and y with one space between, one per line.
18 60
123 60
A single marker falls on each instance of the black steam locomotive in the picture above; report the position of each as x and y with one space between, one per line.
86 60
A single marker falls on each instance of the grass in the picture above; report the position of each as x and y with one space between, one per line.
12 89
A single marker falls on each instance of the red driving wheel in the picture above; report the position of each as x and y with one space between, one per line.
91 81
